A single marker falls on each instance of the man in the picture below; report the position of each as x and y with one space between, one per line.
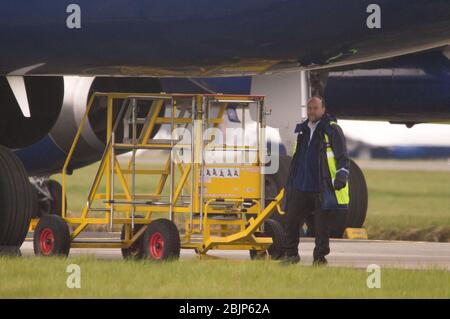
317 181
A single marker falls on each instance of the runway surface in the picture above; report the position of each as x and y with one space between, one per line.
348 253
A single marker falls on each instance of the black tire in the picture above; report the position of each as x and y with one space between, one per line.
135 251
357 211
161 241
51 237
359 197
274 183
16 201
274 230
338 224
10 251
270 187
258 254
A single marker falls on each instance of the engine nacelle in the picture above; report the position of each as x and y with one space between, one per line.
45 96
48 154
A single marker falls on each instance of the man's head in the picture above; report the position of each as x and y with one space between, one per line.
316 109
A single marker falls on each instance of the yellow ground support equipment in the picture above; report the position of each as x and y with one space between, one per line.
206 195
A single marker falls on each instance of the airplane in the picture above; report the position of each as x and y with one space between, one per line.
425 99
57 53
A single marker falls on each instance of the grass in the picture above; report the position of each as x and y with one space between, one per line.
46 278
401 205
406 205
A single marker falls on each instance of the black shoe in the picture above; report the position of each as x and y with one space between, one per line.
290 260
321 261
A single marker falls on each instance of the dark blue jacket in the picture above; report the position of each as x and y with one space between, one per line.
309 170
307 177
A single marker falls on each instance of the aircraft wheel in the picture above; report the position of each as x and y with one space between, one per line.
161 241
357 211
274 183
16 202
359 197
51 237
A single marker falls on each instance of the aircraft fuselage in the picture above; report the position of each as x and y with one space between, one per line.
210 38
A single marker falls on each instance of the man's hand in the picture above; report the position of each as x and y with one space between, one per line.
341 180
338 185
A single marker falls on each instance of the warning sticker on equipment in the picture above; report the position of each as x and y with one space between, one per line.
222 172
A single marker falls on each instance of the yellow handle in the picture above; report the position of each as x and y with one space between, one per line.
280 211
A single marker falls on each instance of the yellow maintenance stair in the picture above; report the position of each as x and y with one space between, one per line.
185 188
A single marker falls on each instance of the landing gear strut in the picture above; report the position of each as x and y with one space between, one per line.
49 197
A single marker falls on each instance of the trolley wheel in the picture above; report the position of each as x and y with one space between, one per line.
135 250
51 237
161 241
273 229
258 254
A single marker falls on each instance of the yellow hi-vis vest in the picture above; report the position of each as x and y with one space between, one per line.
342 195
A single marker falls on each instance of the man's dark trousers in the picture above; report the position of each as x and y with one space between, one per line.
299 205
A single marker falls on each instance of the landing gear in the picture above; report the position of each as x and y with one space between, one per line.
354 217
51 237
358 191
16 202
161 241
274 183
55 203
357 210
49 197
